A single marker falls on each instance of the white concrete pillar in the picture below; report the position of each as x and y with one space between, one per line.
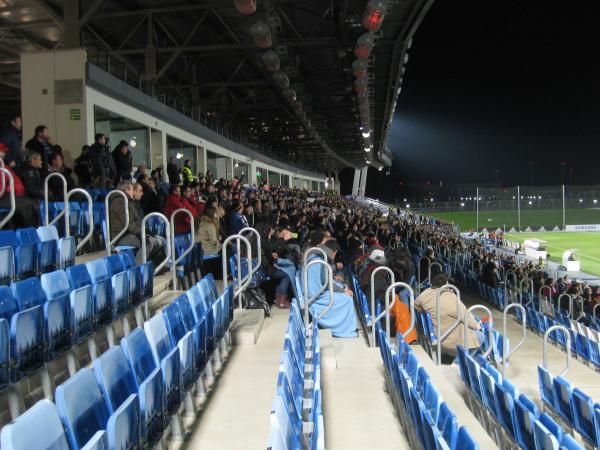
355 183
363 181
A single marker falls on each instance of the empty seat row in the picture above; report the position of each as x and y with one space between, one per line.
571 405
494 296
509 417
29 252
134 390
296 415
41 318
425 417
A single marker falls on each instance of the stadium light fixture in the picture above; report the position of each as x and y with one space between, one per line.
261 34
179 155
462 205
364 45
270 60
366 134
367 149
595 201
580 200
245 7
530 202
132 142
374 14
407 205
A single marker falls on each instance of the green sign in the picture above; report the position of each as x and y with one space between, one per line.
75 114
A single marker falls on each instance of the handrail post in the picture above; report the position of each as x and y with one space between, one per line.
167 233
389 301
175 259
506 352
13 204
65 210
570 299
593 310
419 281
440 338
255 269
307 298
307 254
490 327
393 280
564 330
90 214
529 283
109 241
242 282
513 276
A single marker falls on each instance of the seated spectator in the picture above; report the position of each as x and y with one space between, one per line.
133 235
54 183
177 201
31 176
235 220
141 171
449 303
83 167
151 201
27 209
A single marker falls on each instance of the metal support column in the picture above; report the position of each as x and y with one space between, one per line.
363 182
356 182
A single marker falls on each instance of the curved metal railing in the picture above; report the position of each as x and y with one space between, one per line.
570 300
178 259
373 312
419 280
307 254
65 211
565 331
168 252
509 274
490 327
90 214
593 310
13 204
389 301
242 283
438 318
308 299
506 352
109 241
548 298
255 269
529 283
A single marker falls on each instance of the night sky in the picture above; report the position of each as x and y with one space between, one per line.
493 86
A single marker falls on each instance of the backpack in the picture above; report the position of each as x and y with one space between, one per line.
255 298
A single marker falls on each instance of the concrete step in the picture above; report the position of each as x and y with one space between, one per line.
162 300
247 325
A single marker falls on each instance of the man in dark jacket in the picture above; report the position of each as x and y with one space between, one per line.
84 167
55 183
41 143
173 172
123 162
11 138
31 176
102 162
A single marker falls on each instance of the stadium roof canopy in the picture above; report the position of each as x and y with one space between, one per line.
204 58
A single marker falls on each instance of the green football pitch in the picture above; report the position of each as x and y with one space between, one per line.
549 218
586 244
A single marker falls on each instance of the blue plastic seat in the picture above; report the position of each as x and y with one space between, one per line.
149 382
448 425
101 291
568 442
199 310
57 289
475 382
488 391
180 337
581 344
147 274
134 277
37 428
432 400
45 252
118 387
464 441
119 284
4 352
24 262
84 414
583 415
462 365
505 409
197 329
285 427
544 439
550 424
167 358
563 390
524 418
412 366
47 248
546 389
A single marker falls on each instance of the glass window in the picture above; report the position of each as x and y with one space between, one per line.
219 165
181 151
285 180
261 175
274 178
241 171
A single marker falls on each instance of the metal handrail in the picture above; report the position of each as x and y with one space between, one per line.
419 281
13 204
2 180
307 299
109 241
453 326
243 283
167 233
570 298
65 211
435 263
389 301
513 276
490 327
307 253
258 247
187 251
568 348
373 320
593 310
529 282
548 297
506 352
90 213
579 300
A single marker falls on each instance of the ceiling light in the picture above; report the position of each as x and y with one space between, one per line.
245 7
366 134
367 149
132 142
374 14
179 155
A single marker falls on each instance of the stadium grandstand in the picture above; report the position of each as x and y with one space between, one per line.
178 268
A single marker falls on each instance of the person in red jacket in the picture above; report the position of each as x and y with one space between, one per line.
177 201
27 210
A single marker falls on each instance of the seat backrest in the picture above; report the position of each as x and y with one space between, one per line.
158 336
583 414
114 264
175 324
186 311
448 425
127 258
114 377
78 276
138 352
8 304
568 442
546 390
412 366
206 291
29 293
524 419
432 400
8 238
55 284
551 425
197 302
38 427
544 439
563 390
47 233
27 236
465 441
81 407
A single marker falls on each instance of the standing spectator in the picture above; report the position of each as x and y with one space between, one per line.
187 174
84 167
31 176
54 183
177 201
103 172
41 143
123 162
11 138
173 171
141 171
210 178
27 209
151 201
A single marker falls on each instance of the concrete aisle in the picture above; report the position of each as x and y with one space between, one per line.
235 415
358 412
